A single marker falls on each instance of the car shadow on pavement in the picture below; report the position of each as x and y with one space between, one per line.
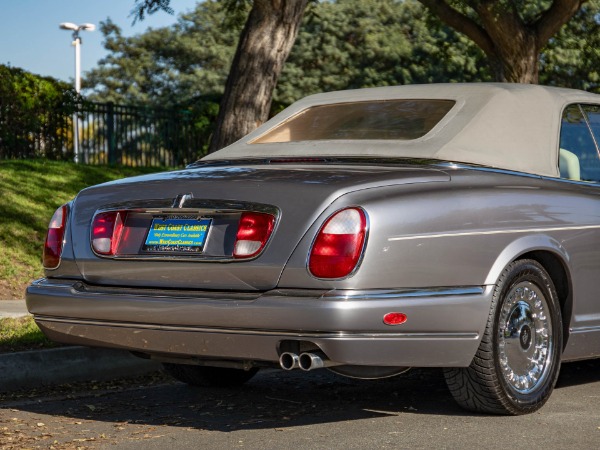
580 372
274 399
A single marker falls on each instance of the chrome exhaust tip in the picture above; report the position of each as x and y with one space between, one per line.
289 361
311 361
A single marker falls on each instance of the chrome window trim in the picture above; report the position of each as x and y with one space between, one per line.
589 126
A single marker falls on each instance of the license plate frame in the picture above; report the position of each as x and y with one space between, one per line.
177 235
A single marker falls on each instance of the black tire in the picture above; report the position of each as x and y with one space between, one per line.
516 366
209 376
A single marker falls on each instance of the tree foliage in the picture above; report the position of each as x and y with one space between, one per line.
32 114
365 43
166 66
145 7
341 45
19 88
572 56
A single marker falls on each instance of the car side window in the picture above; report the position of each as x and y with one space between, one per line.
579 156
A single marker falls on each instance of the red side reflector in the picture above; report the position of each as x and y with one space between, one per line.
394 318
253 233
55 237
339 244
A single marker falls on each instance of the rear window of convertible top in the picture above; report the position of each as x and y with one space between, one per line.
385 119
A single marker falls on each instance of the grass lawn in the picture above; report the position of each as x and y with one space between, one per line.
22 334
30 192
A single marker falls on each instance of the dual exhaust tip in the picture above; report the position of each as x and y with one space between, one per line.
305 361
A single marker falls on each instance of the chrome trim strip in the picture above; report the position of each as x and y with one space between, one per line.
379 294
466 166
157 293
493 232
80 288
181 257
333 294
589 125
192 206
282 333
585 330
45 283
586 183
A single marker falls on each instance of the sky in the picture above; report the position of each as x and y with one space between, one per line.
30 37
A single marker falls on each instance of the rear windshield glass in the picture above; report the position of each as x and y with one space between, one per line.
388 119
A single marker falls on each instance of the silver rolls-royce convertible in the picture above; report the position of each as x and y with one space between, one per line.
366 232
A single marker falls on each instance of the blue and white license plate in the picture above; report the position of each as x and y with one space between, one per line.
177 235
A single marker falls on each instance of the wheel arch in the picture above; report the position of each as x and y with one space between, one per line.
561 278
548 252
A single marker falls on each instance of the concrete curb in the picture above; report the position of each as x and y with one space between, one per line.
68 364
13 308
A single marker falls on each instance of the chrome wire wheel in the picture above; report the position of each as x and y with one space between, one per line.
517 363
525 341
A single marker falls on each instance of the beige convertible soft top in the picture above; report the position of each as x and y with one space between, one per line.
501 125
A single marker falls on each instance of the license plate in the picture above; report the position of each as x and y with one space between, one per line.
177 235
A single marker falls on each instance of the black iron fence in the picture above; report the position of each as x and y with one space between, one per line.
102 133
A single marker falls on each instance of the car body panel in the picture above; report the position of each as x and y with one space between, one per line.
225 186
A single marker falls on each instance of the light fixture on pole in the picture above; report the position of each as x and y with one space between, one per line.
77 44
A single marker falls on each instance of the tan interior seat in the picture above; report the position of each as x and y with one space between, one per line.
568 163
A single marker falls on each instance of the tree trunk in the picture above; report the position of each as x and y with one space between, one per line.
516 61
511 44
264 45
514 44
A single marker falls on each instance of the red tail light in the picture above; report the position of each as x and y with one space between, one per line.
107 228
253 233
339 244
55 238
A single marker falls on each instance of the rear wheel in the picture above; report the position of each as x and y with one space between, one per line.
209 376
516 366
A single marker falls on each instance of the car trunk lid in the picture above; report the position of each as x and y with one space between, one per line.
295 194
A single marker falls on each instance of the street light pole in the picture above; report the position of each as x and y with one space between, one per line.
77 44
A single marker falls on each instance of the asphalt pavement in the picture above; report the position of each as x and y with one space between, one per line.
20 370
290 410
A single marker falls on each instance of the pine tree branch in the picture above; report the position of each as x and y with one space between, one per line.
143 8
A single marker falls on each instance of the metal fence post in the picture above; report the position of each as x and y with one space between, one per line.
110 133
